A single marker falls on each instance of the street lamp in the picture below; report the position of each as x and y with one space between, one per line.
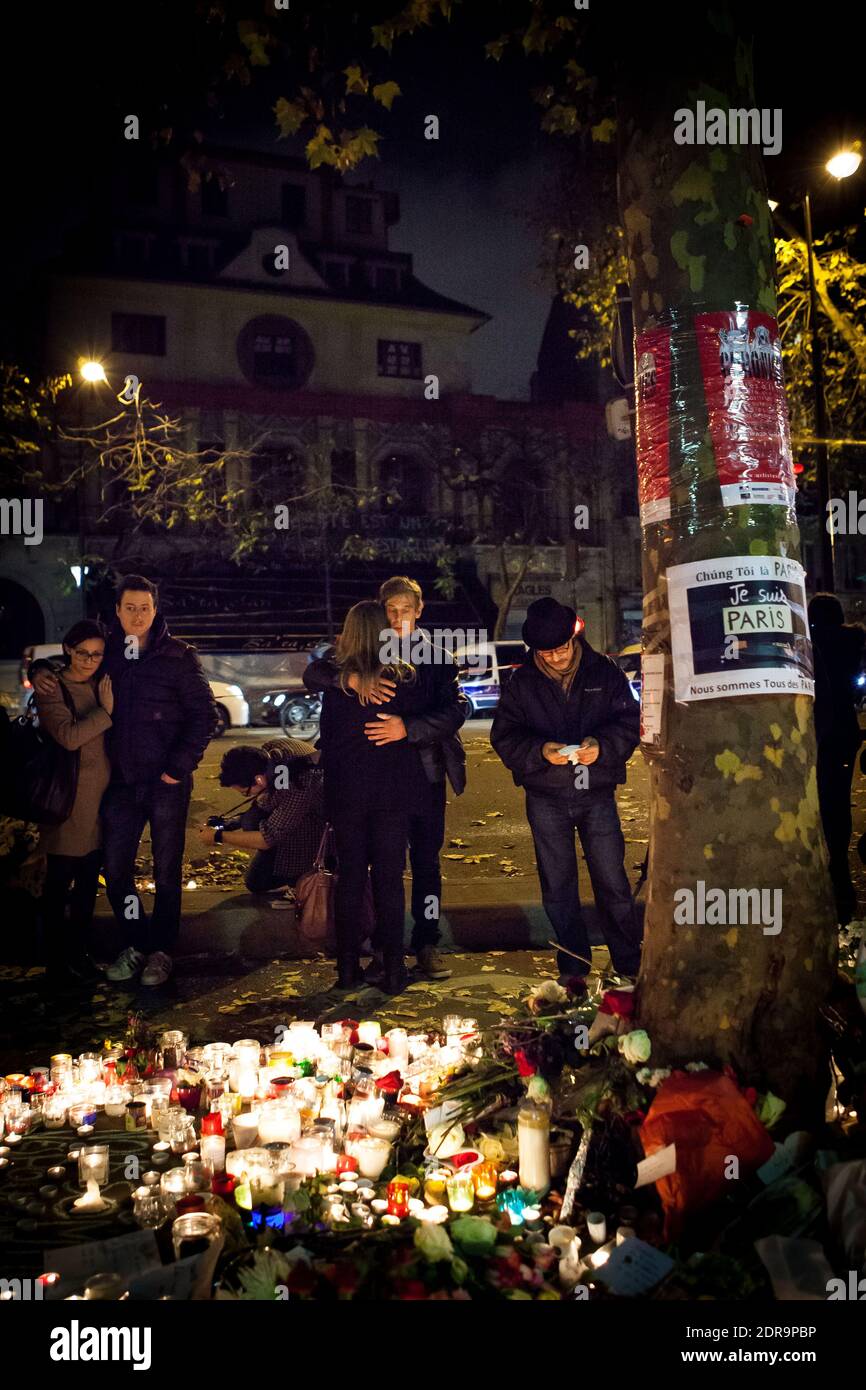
841 166
93 373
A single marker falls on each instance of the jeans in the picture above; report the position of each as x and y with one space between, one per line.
553 821
70 881
126 810
374 841
426 837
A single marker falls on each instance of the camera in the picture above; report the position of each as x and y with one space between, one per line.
217 822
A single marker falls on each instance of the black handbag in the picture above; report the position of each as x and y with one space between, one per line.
49 772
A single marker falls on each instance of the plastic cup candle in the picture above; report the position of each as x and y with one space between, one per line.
373 1155
398 1198
597 1226
434 1185
279 1123
306 1154
398 1046
245 1128
461 1191
369 1031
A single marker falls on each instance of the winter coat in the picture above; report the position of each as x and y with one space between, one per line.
86 731
164 712
433 730
361 776
533 710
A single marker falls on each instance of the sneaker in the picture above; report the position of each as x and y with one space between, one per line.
127 965
432 964
159 967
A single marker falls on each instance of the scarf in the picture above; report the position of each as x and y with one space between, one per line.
566 676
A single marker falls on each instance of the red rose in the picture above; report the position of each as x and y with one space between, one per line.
617 1001
751 1095
524 1068
411 1290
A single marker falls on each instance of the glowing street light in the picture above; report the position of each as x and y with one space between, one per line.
844 164
93 372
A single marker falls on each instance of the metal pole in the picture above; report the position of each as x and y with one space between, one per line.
81 500
826 574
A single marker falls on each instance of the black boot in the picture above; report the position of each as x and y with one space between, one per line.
349 972
396 975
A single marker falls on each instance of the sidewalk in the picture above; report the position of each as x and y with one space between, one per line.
220 923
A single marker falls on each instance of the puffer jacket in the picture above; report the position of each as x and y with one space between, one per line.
534 710
164 712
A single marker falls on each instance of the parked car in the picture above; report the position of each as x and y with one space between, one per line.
484 668
294 708
233 712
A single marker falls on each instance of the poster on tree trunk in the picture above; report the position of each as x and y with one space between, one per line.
741 363
739 627
652 399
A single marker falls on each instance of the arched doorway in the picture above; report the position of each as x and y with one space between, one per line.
21 620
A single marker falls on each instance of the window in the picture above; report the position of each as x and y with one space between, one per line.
399 359
138 333
359 215
273 356
294 205
275 351
277 473
400 477
214 198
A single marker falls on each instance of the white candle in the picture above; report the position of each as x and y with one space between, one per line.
245 1128
213 1153
597 1226
372 1155
91 1201
369 1031
533 1135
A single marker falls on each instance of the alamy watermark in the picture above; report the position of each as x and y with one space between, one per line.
22 517
741 126
416 648
847 518
718 907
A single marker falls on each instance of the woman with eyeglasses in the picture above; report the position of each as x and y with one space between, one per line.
76 715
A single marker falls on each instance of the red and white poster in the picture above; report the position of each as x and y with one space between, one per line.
652 398
741 364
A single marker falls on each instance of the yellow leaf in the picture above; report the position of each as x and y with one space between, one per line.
355 80
383 36
320 150
385 92
727 762
290 116
604 132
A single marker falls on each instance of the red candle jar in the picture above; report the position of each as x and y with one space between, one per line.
212 1123
281 1085
222 1185
347 1163
398 1197
192 1202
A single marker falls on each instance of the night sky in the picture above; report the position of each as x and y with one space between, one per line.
464 201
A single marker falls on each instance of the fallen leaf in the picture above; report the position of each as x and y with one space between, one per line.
492 814
460 857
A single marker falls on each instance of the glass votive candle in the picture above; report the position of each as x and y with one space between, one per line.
136 1115
434 1185
307 1154
197 1177
485 1180
369 1031
281 1159
373 1155
161 1151
172 1186
115 1102
509 1178
279 1123
212 1123
398 1046
173 1044
245 1129
215 1056
147 1207
213 1153
54 1111
193 1233
347 1163
398 1197
93 1165
89 1068
461 1191
82 1113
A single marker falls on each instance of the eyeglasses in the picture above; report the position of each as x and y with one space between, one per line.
84 655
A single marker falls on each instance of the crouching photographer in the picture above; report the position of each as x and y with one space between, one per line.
285 820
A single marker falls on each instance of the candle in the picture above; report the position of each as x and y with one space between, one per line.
347 1163
434 1216
379 1205
279 1123
624 1233
398 1046
91 1201
597 1226
213 1153
461 1191
384 1129
369 1031
561 1237
373 1155
57 1171
390 1220
434 1185
245 1128
533 1134
484 1177
150 1179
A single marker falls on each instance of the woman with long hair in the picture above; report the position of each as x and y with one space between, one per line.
373 781
77 716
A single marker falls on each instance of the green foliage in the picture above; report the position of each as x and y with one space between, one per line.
26 420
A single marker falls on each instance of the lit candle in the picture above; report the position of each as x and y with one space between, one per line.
461 1191
373 1155
91 1201
369 1031
245 1128
597 1226
434 1216
213 1153
484 1177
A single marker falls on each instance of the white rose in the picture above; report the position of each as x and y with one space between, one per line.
635 1046
434 1242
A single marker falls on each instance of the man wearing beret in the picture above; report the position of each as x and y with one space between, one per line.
566 695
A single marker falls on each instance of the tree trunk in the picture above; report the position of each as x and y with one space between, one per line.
510 587
734 798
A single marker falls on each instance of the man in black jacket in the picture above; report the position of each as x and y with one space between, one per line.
567 696
434 733
163 718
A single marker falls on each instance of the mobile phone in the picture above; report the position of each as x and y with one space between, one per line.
568 750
